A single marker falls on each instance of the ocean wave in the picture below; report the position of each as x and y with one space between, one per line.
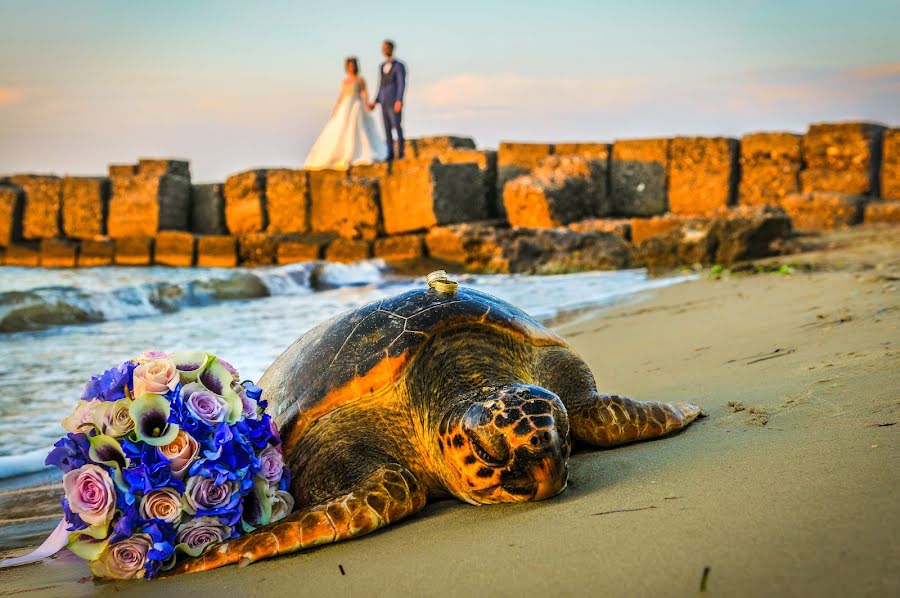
24 463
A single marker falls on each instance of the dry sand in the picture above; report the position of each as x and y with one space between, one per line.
788 488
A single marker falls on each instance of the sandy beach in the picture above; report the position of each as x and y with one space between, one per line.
787 488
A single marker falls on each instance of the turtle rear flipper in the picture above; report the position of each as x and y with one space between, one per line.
388 494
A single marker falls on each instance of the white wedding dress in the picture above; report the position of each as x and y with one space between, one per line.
349 137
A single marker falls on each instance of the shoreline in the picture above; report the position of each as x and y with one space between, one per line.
785 488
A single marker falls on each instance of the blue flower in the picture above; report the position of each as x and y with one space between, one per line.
162 536
152 471
110 385
73 519
126 525
70 453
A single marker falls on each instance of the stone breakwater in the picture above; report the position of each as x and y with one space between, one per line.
526 207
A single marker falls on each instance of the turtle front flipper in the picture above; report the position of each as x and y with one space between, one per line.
388 494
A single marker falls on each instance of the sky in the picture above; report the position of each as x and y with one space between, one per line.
238 85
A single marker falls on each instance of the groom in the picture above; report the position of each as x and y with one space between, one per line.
390 96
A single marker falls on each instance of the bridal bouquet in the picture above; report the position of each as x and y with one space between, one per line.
166 455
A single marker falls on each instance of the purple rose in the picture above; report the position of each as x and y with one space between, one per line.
271 464
204 404
123 560
91 494
195 535
248 405
203 494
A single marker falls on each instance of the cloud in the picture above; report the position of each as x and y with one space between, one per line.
11 95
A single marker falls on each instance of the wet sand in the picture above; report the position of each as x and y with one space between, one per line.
789 486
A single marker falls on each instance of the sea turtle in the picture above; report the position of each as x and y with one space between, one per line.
428 394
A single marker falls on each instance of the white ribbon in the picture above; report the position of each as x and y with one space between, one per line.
55 542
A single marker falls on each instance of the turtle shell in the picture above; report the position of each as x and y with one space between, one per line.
364 352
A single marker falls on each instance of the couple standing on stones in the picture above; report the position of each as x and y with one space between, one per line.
350 136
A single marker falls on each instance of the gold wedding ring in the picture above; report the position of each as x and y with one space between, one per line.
438 281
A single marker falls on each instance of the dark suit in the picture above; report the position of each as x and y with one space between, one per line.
390 90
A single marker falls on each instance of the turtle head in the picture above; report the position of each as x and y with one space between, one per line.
507 444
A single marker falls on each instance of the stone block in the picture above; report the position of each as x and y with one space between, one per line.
162 166
559 191
23 254
434 147
143 205
257 249
96 252
645 228
324 190
122 170
842 158
208 209
287 201
824 210
561 251
770 168
353 212
85 201
134 251
175 248
487 164
245 202
473 246
514 160
890 165
639 177
702 174
376 171
41 216
348 250
58 253
11 207
217 251
746 233
297 248
882 212
598 158
420 194
616 226
400 247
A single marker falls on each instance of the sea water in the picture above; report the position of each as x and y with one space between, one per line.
133 309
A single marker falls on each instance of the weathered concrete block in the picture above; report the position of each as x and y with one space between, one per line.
217 251
824 210
376 171
162 166
560 251
208 209
434 147
645 228
296 248
882 212
348 250
257 249
639 177
84 206
890 165
400 247
487 163
96 252
514 160
23 254
842 157
43 203
702 174
245 202
352 212
559 191
175 248
122 170
474 246
770 168
324 190
420 194
58 253
616 226
11 207
143 205
747 232
287 201
586 150
598 159
134 251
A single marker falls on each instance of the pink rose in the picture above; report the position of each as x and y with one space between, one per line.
91 494
271 465
164 504
156 376
204 494
154 355
181 453
82 417
123 560
198 533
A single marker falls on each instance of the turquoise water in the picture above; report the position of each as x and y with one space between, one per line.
134 309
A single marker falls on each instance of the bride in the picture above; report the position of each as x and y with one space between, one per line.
350 136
